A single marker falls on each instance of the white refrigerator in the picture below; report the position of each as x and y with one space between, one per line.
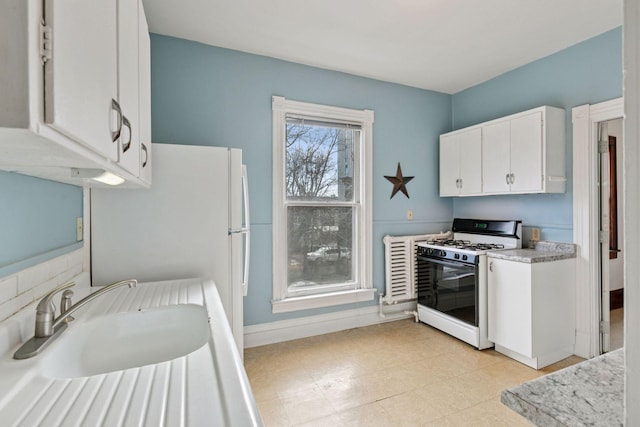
193 222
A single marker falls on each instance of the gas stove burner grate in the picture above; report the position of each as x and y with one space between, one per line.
485 246
466 244
458 244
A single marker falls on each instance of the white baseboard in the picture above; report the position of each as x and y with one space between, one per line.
303 327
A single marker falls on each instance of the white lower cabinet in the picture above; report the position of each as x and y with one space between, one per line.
531 310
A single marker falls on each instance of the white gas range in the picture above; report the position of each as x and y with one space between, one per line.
452 277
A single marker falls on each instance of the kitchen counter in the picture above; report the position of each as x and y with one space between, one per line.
541 252
590 393
206 387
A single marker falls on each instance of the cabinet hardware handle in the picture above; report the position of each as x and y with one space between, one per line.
491 266
146 155
116 107
506 178
127 123
513 178
461 183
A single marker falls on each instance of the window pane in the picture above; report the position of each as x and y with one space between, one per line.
319 162
320 245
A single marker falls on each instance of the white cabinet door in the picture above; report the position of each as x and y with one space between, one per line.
81 76
128 65
509 305
460 167
470 147
495 157
144 47
449 165
526 153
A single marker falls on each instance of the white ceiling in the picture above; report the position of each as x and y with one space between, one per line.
442 45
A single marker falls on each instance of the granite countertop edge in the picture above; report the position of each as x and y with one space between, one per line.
528 410
589 393
542 251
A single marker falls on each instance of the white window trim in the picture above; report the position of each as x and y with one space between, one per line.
365 291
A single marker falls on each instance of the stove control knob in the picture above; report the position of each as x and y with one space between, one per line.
443 254
457 256
464 257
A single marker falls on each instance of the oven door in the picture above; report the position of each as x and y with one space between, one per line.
449 287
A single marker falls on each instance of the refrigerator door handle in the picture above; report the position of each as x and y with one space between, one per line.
246 229
245 281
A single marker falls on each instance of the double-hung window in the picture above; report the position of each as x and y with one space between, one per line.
321 205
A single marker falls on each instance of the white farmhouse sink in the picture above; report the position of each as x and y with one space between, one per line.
161 353
120 341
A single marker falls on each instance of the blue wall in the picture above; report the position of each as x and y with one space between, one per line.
586 73
37 220
212 96
205 95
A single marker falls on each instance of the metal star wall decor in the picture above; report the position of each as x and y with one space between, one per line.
399 182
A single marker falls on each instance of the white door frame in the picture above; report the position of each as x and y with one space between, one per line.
586 220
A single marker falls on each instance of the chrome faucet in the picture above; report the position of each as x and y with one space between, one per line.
48 327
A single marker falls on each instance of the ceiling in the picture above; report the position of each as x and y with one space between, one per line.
442 45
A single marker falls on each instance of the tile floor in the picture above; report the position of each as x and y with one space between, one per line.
394 374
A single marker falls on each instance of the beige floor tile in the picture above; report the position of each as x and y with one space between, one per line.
307 407
370 415
393 374
490 413
412 409
273 413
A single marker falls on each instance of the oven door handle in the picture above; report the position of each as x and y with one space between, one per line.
447 263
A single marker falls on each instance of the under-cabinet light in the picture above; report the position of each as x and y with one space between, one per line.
99 175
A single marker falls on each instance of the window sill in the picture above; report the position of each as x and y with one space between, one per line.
324 300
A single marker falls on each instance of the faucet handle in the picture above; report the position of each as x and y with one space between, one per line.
65 304
46 303
45 311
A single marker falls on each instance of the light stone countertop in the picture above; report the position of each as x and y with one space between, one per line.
590 393
541 252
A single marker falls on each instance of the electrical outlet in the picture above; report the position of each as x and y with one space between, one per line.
409 214
79 230
535 234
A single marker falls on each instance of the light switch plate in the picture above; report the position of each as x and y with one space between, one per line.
409 214
79 229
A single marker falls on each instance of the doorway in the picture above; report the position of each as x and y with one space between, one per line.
612 227
587 231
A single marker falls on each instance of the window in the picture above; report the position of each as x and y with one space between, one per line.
321 205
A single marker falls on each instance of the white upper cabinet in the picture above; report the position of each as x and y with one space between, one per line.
519 154
144 105
128 72
496 157
512 155
525 153
80 73
70 89
460 170
527 149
